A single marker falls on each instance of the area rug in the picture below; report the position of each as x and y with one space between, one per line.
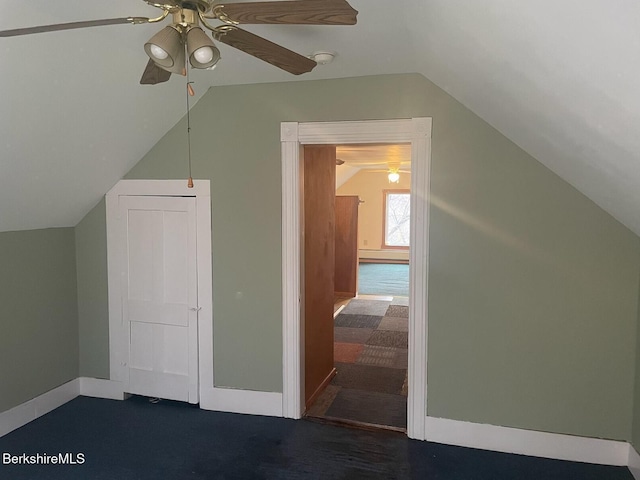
374 408
370 356
370 378
383 279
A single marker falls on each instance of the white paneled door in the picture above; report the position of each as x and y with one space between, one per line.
159 296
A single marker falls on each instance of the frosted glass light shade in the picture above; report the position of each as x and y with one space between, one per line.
169 41
201 49
203 55
157 53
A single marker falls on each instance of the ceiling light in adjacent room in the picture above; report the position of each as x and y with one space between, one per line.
394 172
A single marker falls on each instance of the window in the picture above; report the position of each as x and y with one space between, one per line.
396 218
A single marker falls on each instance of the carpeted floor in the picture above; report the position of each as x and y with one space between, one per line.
370 355
383 279
138 440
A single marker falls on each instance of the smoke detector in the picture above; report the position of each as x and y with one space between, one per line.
322 58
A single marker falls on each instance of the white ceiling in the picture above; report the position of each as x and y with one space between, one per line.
557 78
380 158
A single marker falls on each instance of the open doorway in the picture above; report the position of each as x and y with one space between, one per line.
293 136
369 384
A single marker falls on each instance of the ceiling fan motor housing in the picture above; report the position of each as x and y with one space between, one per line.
185 19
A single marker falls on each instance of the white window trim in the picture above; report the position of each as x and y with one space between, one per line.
385 222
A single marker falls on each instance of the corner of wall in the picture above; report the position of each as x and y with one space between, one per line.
635 417
91 274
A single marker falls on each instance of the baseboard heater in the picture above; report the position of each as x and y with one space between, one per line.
383 256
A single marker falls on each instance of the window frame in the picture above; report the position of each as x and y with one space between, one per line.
385 194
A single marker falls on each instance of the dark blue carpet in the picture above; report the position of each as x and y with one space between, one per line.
139 440
383 279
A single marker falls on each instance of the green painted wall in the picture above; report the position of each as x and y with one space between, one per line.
532 300
635 433
38 313
93 300
236 143
533 288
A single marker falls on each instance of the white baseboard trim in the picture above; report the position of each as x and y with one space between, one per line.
438 430
100 388
634 462
242 401
527 442
36 407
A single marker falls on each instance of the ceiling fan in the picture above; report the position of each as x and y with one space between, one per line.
166 49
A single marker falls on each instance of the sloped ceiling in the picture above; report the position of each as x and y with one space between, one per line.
557 78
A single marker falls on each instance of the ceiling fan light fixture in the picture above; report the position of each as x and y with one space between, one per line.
158 52
203 55
394 172
202 51
166 48
179 63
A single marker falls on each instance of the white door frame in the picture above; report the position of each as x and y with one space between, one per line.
117 333
417 132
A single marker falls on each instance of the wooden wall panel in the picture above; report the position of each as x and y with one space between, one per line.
346 269
319 263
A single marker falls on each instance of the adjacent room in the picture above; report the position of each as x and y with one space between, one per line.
463 302
371 289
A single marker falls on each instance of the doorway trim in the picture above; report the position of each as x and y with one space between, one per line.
162 188
417 132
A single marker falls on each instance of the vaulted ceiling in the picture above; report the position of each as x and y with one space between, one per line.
557 78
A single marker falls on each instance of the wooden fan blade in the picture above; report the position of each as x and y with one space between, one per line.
263 49
69 26
300 12
153 74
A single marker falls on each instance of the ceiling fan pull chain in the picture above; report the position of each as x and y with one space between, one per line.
190 93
